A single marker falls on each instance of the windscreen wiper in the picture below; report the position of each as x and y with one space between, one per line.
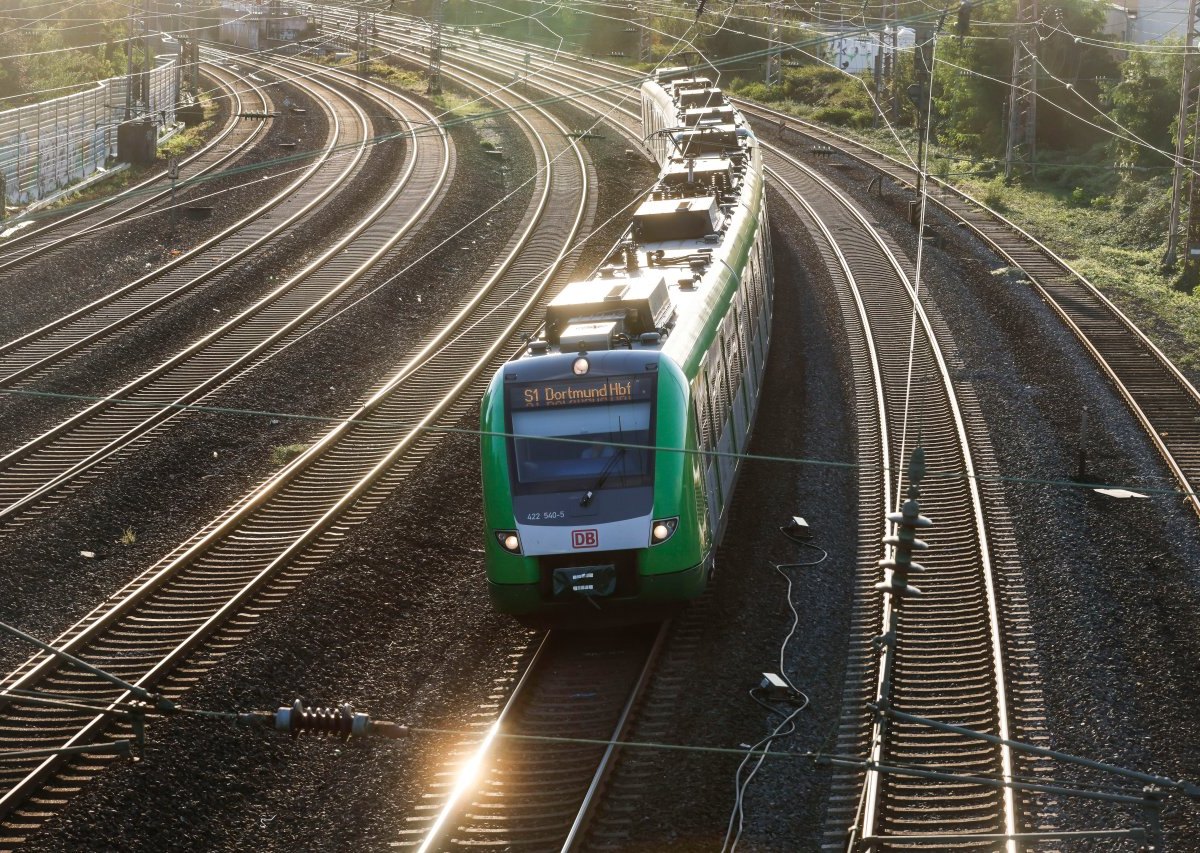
608 469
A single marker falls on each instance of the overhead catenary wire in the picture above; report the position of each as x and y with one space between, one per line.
766 748
164 710
1165 491
400 730
1070 484
931 474
798 47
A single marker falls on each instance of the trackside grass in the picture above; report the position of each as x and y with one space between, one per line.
1115 241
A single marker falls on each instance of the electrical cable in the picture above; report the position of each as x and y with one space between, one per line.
797 48
952 476
1075 485
125 40
787 726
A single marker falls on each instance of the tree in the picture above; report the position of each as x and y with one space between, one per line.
1146 101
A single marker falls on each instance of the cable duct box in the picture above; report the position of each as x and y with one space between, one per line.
774 686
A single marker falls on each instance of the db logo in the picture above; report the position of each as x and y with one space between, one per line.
585 538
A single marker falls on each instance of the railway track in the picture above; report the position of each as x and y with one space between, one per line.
220 582
1162 399
956 641
503 791
951 641
29 358
225 148
78 446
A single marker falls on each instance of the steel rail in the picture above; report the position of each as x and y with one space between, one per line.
543 77
591 799
28 244
1161 398
28 357
83 442
1164 401
994 648
285 529
529 795
933 628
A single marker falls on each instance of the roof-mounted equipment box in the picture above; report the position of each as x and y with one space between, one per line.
664 220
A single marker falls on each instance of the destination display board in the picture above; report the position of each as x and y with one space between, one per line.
581 391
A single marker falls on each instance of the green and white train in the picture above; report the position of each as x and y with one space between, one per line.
609 442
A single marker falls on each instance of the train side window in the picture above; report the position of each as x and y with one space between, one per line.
726 395
749 285
739 342
729 341
703 411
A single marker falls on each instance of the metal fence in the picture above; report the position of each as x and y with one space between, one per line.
50 145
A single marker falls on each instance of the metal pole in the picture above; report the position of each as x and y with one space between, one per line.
1022 98
774 65
435 50
878 77
1191 256
1083 444
129 65
139 692
173 174
895 57
1185 106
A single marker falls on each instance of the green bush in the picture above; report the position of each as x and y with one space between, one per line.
833 115
862 119
1144 215
281 454
994 195
754 91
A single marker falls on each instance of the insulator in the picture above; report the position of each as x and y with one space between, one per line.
914 519
898 565
915 544
340 722
904 590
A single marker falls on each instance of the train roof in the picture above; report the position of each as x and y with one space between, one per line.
659 281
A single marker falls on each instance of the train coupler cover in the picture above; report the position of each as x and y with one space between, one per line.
588 581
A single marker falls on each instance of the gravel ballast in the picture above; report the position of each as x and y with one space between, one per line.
398 621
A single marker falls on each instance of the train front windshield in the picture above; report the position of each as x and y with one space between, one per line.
599 417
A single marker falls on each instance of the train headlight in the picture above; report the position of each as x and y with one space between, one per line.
662 530
580 366
509 541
